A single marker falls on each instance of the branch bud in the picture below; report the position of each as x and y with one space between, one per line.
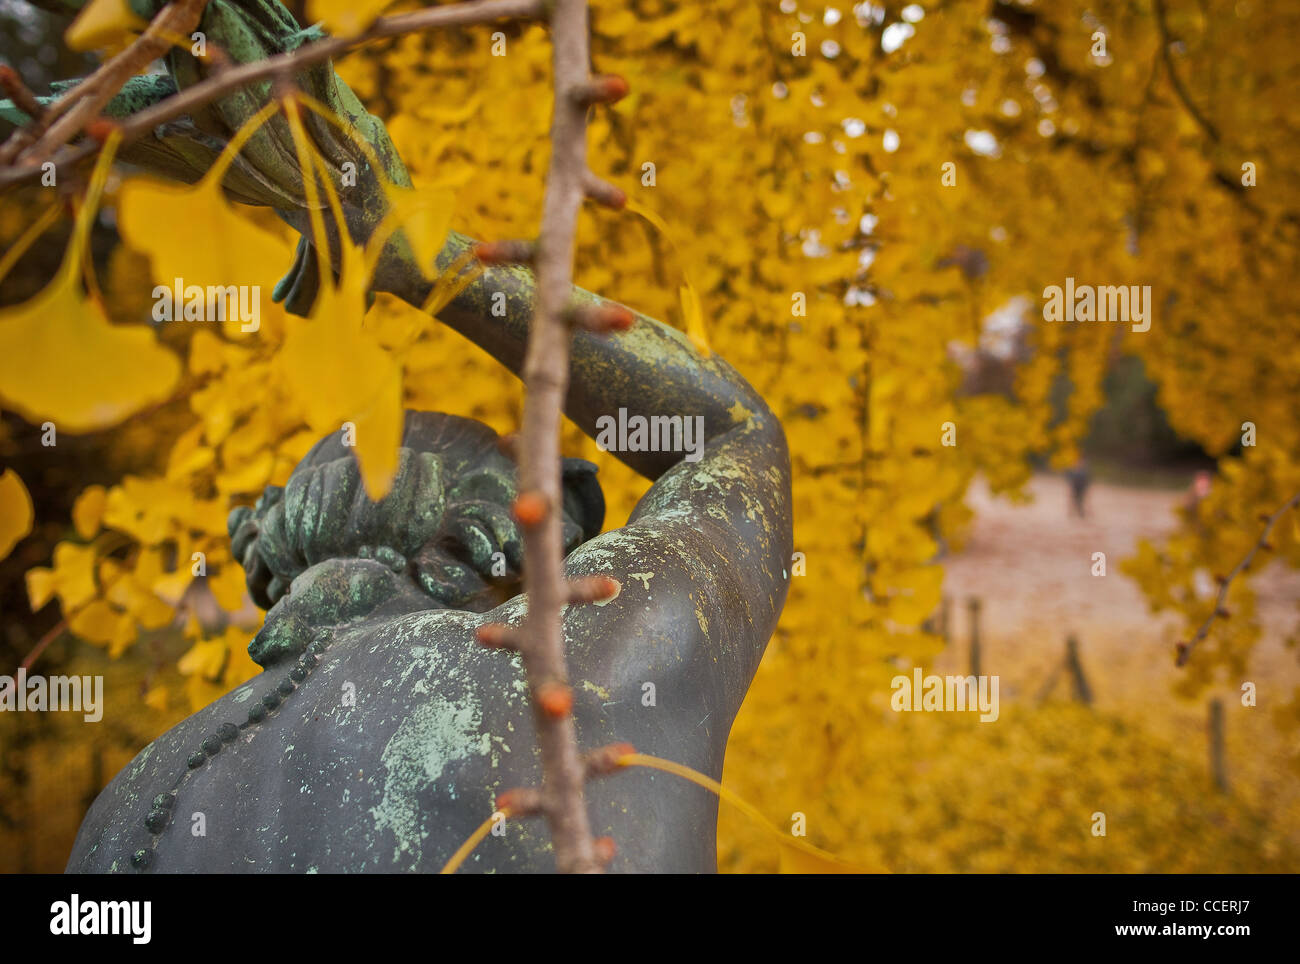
555 700
520 802
590 589
603 89
605 849
603 760
12 84
530 509
101 129
603 318
602 192
498 636
505 252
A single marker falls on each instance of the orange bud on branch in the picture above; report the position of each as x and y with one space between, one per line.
520 802
603 761
555 700
603 89
605 848
602 192
18 92
590 589
101 129
498 636
602 318
530 509
505 252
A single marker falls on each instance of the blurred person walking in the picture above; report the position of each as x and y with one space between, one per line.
1079 476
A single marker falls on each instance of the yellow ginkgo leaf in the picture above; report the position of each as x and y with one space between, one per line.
228 587
103 24
141 603
209 515
215 665
88 510
692 316
171 587
157 698
41 583
206 658
339 373
97 623
61 360
72 578
800 858
193 233
15 511
345 17
379 437
424 216
248 476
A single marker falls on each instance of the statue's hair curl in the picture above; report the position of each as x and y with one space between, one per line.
445 522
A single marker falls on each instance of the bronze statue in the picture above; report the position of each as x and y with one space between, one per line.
380 732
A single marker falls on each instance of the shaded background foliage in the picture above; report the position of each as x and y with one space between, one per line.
817 176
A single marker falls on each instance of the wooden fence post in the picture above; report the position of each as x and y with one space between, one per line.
1218 765
1082 691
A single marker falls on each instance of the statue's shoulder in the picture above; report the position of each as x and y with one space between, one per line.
396 733
118 832
390 746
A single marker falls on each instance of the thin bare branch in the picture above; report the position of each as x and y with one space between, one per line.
1185 649
283 65
546 376
1175 81
177 18
19 93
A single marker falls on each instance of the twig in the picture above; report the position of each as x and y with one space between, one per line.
179 17
546 377
287 64
1174 79
538 508
42 116
1185 649
19 93
54 633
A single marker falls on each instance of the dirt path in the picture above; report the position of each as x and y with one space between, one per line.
1031 567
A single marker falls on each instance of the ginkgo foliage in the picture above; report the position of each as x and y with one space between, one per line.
835 199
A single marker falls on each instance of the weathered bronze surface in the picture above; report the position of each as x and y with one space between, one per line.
380 732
